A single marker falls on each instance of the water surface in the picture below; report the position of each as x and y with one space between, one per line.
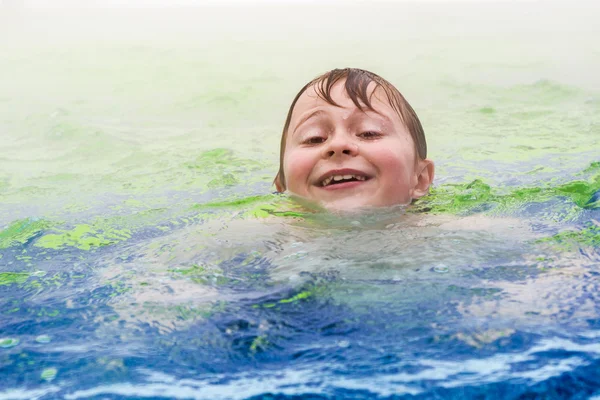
142 253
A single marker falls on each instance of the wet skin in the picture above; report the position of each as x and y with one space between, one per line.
345 158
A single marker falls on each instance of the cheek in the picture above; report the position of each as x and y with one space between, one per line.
296 167
393 163
397 170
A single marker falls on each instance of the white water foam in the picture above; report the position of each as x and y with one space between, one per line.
476 371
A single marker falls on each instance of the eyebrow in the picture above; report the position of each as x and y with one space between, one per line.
314 114
318 113
367 112
357 114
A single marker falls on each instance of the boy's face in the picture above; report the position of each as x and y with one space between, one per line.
345 158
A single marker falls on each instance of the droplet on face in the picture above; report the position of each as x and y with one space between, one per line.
7 343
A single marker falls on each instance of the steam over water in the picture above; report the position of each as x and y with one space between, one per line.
143 254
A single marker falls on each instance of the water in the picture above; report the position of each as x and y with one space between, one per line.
142 254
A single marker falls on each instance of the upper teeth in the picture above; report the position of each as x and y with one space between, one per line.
327 181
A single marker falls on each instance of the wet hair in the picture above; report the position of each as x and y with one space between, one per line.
356 84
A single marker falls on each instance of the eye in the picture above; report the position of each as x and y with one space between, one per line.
314 140
370 135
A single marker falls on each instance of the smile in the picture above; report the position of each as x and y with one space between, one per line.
337 179
334 178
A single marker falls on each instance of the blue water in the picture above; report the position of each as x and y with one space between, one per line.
350 324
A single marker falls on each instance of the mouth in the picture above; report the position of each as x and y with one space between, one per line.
342 178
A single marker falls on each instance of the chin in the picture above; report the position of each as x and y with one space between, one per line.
348 204
354 204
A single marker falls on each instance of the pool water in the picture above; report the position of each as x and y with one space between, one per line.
144 255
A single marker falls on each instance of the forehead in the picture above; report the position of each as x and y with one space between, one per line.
310 100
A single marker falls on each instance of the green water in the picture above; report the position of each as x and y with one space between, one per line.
114 120
106 107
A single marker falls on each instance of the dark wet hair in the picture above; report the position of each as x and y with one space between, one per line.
356 84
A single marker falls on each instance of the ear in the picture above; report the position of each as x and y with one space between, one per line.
279 184
425 172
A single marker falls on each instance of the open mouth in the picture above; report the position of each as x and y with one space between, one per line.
338 179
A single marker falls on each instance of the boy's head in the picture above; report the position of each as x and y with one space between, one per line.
351 140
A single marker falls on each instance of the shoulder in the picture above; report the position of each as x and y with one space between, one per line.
502 226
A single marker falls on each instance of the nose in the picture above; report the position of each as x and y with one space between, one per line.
340 145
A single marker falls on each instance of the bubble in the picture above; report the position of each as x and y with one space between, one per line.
43 339
442 269
7 343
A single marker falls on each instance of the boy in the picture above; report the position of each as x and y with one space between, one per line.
351 140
